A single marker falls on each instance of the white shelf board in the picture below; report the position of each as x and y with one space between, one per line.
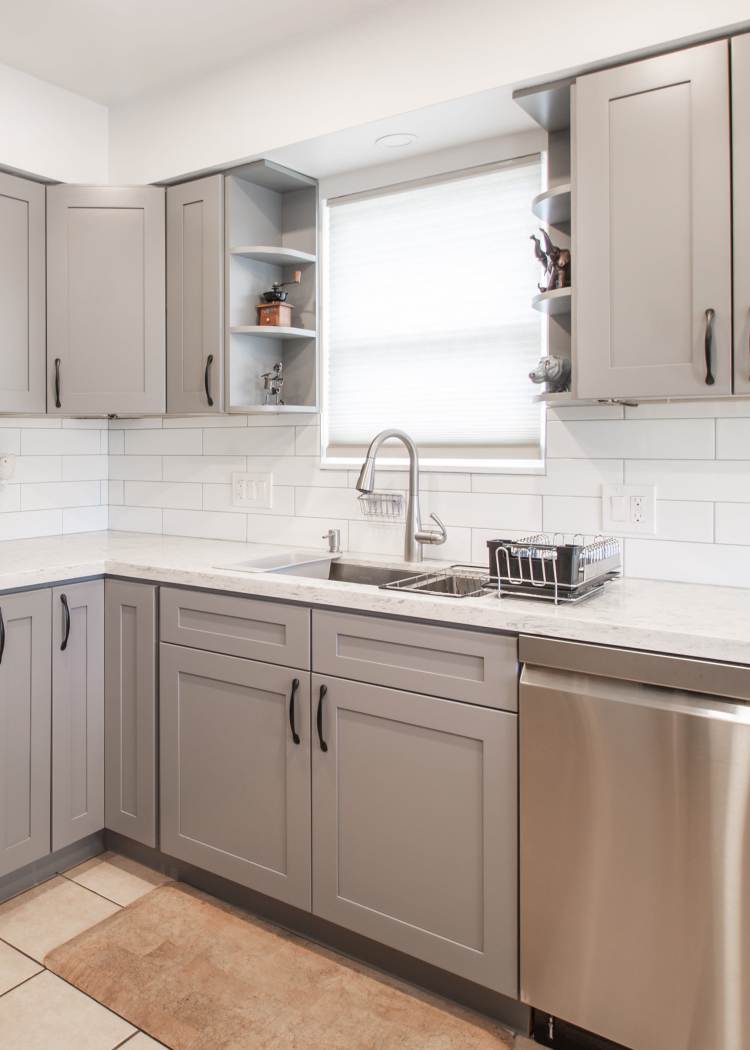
253 410
272 331
563 397
558 301
275 256
553 206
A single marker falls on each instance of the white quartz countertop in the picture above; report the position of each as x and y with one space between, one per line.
683 619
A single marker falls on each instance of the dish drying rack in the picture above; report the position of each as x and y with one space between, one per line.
382 506
554 566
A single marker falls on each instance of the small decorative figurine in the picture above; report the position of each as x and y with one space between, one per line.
554 371
556 263
273 382
275 311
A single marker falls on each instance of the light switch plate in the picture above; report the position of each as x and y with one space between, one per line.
629 510
253 490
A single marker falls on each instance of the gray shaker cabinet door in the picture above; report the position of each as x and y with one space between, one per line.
195 266
652 236
25 700
741 160
130 655
77 712
22 297
105 300
235 787
415 826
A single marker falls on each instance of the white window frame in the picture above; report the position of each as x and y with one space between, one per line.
452 464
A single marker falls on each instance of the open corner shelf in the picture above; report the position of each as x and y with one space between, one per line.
553 206
273 256
563 397
257 410
558 301
273 331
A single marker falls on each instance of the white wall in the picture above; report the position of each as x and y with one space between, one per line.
49 132
405 57
173 476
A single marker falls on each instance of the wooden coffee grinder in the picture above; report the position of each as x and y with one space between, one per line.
275 311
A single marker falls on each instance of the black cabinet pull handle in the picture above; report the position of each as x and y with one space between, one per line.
57 383
319 718
292 726
207 385
709 346
2 635
66 630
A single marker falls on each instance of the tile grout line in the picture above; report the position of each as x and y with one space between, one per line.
96 893
24 981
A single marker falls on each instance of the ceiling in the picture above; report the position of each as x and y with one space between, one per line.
114 50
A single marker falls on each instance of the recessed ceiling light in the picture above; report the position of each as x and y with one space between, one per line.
396 140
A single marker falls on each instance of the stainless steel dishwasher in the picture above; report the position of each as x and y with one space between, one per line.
635 844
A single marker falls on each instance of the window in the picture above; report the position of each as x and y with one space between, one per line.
428 324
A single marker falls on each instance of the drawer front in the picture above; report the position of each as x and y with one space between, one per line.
237 626
421 658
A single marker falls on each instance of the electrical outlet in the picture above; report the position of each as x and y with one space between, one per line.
254 491
629 510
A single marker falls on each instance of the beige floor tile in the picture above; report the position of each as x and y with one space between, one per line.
519 1043
117 878
145 1042
14 967
46 1012
50 914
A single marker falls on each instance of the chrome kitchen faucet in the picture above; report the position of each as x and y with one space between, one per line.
415 535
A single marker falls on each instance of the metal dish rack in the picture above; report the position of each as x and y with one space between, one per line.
555 567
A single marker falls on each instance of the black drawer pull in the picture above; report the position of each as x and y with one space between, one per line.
709 346
2 635
292 726
319 718
57 383
206 377
66 631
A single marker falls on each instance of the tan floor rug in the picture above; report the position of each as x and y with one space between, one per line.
197 974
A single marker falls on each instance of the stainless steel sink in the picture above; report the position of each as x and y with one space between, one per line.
370 575
459 581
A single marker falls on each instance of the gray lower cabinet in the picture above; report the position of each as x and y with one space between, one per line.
741 209
130 657
195 268
652 231
77 712
22 296
25 702
235 769
415 826
105 300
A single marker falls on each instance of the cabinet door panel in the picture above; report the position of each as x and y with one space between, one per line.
235 788
22 296
130 709
105 299
25 700
195 264
652 246
414 827
77 712
741 188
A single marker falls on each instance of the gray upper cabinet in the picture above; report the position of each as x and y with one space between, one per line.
652 234
25 699
77 712
22 298
235 770
105 300
415 828
195 265
741 185
130 709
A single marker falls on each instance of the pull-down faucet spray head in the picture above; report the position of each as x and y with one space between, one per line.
366 479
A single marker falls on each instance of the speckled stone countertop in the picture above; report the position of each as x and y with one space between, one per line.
682 619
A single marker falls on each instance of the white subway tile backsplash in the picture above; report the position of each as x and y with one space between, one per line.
201 422
733 438
485 510
689 562
203 523
47 442
135 519
318 502
693 480
175 495
85 519
38 468
135 468
49 494
116 442
571 514
10 496
632 439
685 520
219 497
705 408
308 440
250 441
30 523
218 469
563 477
302 532
85 468
163 442
733 523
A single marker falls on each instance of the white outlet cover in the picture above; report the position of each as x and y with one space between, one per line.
253 490
629 510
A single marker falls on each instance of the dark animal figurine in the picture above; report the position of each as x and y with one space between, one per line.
556 263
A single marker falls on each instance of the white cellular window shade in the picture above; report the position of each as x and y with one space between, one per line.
428 324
